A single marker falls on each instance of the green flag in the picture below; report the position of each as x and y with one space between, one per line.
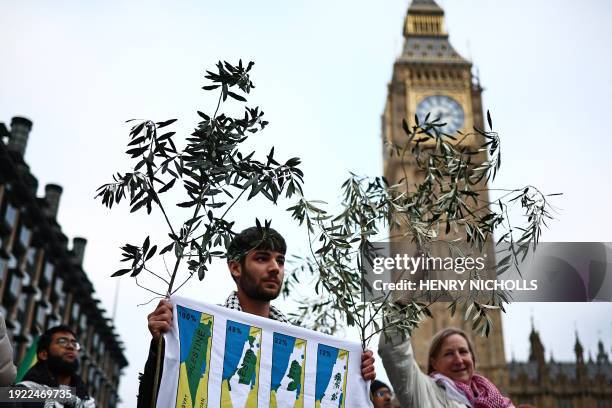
28 360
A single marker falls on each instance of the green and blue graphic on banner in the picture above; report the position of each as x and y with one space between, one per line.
195 330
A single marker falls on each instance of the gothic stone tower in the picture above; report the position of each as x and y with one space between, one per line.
430 76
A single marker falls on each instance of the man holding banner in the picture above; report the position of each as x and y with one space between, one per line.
256 259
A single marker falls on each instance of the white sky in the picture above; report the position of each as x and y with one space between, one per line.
80 69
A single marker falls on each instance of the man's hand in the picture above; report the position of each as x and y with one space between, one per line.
367 365
160 320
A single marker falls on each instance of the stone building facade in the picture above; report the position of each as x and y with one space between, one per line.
553 384
42 281
430 76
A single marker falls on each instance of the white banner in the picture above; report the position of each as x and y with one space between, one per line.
218 357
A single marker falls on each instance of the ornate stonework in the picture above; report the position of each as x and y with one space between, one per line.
553 384
429 66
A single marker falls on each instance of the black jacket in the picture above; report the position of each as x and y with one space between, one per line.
39 374
147 379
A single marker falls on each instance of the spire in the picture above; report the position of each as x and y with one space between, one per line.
426 37
537 352
578 349
602 356
552 357
534 337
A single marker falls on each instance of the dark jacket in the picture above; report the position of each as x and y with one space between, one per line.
147 378
40 375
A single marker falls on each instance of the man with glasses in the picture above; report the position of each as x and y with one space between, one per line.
381 394
58 361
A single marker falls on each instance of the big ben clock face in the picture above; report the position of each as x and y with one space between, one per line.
445 108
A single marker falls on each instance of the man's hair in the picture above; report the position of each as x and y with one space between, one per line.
45 339
377 385
263 238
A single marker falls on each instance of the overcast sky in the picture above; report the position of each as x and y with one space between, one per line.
78 70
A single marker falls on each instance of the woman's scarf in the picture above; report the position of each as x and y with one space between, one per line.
480 393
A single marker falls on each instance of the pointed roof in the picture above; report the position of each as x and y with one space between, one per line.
537 351
552 357
577 346
602 356
427 6
426 37
534 336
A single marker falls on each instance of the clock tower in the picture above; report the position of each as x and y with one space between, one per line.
431 77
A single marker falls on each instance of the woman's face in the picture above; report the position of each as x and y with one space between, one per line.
454 359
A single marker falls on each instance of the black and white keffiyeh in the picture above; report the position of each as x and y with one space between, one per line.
233 303
39 378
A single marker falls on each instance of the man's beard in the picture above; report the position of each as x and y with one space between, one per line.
58 366
250 287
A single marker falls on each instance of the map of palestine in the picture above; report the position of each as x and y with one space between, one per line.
287 383
240 380
332 372
195 330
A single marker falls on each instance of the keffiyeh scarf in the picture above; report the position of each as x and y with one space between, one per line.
232 302
480 393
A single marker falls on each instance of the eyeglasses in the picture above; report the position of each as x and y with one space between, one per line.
64 342
382 393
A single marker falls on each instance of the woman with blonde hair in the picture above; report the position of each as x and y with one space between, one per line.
450 382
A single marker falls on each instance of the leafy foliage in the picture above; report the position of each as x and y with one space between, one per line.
212 171
447 201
